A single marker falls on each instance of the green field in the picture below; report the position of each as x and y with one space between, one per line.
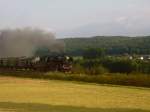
32 95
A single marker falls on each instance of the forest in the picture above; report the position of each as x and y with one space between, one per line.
113 45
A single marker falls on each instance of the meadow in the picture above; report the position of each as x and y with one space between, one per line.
38 95
133 79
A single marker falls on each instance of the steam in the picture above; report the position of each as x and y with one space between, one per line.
25 42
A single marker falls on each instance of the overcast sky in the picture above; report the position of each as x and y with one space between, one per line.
78 17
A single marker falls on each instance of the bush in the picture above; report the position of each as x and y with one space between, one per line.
96 70
139 80
77 68
90 67
120 65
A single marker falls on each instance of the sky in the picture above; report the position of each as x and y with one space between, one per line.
76 18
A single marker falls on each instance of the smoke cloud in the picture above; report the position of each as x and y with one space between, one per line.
25 42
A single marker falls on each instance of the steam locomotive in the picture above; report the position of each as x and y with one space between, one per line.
38 63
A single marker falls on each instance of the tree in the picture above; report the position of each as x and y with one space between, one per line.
93 53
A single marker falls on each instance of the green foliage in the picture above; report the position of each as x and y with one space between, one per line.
120 65
77 68
112 65
96 70
93 53
111 44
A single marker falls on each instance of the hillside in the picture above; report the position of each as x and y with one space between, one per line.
111 44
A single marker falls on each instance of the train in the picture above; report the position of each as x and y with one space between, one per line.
38 63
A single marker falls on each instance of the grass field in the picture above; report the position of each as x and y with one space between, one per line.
33 95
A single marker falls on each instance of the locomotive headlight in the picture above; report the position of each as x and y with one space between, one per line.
67 57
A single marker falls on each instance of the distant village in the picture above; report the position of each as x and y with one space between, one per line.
134 57
139 57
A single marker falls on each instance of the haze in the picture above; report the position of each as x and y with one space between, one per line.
76 18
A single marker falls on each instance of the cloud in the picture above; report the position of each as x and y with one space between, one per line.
121 19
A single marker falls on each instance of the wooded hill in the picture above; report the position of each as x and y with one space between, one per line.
113 45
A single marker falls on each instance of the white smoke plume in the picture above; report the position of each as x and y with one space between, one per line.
24 42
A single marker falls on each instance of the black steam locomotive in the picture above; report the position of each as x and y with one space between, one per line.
38 63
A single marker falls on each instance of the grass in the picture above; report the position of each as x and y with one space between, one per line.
134 79
35 95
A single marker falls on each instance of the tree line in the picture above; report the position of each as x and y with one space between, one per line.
95 61
113 45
